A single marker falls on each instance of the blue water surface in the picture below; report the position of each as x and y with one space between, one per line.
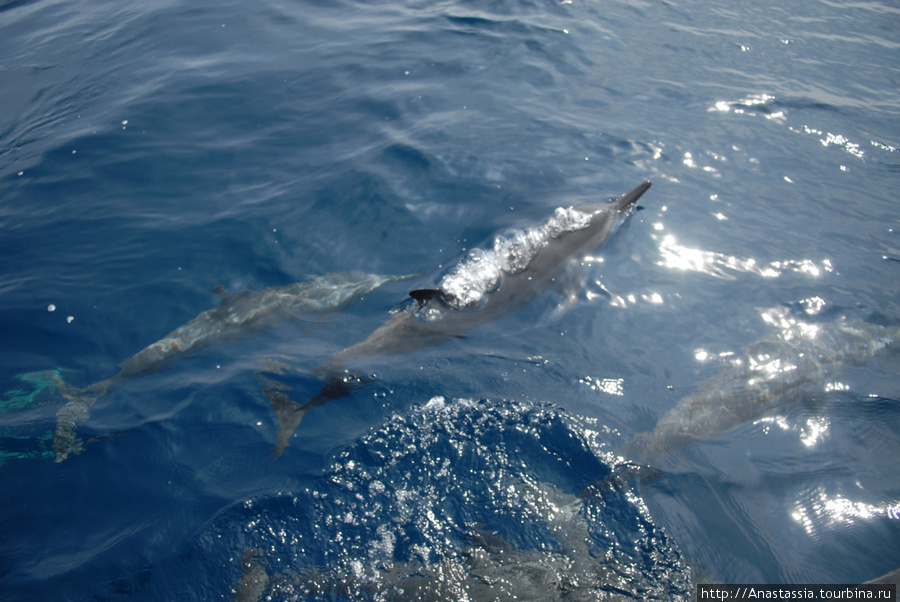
152 151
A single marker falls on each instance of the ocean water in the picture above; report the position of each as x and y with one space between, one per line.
152 151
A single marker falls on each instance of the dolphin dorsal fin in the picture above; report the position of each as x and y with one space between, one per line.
423 295
221 292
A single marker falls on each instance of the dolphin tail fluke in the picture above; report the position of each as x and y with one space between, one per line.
624 202
65 440
73 413
289 414
70 415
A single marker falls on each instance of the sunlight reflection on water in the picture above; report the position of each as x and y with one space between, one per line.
713 263
823 511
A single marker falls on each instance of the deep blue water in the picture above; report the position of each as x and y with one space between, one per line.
152 151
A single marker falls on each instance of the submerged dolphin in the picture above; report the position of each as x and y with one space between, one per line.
486 285
766 375
238 315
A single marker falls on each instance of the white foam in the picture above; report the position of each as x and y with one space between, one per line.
435 404
479 273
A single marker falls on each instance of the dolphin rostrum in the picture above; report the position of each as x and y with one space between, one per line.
782 367
238 315
519 267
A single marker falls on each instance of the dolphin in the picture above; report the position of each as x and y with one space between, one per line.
520 266
770 372
239 315
254 579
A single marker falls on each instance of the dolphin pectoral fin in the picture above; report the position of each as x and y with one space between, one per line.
570 288
73 413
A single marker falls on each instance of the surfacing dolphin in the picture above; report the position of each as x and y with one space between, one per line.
239 315
489 283
784 367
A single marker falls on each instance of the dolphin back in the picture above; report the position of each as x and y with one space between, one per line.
782 368
239 314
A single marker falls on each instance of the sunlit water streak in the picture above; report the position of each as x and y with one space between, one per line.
818 510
